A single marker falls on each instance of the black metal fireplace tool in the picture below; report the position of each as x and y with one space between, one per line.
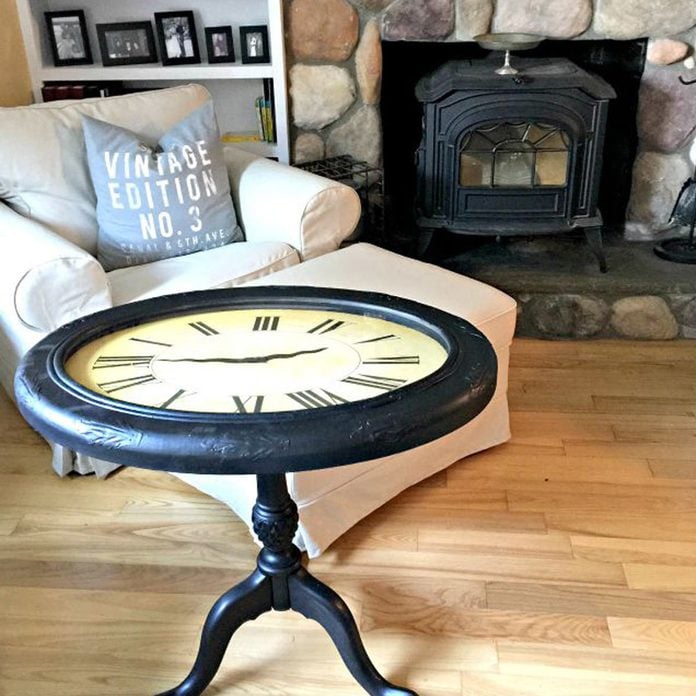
682 249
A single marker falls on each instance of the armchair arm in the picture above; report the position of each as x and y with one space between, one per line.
45 280
276 202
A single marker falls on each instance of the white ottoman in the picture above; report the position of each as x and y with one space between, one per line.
330 501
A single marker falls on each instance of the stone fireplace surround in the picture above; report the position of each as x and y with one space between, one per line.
335 53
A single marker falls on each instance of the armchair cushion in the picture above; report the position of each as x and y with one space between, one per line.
43 168
152 203
223 267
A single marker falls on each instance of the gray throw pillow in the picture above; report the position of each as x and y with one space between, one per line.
157 202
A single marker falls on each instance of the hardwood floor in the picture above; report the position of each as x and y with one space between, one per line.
563 562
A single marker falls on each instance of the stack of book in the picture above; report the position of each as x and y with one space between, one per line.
54 91
265 113
265 118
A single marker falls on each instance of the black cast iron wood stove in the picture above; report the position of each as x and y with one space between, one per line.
511 155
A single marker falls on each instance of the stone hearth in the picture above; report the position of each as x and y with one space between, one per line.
335 54
562 294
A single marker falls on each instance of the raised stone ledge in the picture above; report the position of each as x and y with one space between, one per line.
562 294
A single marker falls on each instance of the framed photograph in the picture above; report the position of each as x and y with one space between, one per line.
255 47
126 43
176 32
67 33
218 42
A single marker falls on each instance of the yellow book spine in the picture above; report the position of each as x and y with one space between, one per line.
240 137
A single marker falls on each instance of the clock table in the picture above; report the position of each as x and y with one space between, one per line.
267 381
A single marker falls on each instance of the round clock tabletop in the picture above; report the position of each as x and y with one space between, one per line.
256 380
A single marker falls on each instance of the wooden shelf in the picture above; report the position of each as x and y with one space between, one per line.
257 147
205 71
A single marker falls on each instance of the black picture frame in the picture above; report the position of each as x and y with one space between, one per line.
219 44
67 36
255 48
176 34
126 43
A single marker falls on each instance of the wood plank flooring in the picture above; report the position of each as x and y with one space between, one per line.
563 562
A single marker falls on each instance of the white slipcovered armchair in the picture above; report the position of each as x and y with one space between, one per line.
48 231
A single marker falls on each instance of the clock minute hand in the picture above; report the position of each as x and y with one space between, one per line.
251 360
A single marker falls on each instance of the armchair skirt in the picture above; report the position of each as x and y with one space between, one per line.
330 501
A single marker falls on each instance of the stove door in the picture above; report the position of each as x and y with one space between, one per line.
513 168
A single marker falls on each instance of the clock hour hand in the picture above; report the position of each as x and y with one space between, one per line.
246 361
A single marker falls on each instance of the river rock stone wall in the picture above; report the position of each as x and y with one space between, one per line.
334 49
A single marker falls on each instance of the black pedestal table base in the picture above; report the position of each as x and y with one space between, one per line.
280 582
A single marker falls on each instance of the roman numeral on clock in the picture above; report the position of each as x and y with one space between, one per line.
154 343
394 360
386 337
252 404
375 381
117 384
266 323
326 326
172 398
312 399
203 328
104 361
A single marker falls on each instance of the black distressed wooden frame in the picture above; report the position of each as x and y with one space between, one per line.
85 421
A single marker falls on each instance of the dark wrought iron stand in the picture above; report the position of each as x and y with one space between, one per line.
680 249
280 582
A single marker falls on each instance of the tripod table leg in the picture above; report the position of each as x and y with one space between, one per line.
315 600
244 602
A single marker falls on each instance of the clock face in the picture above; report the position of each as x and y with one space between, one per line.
255 360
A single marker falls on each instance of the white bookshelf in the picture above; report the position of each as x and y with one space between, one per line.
234 86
